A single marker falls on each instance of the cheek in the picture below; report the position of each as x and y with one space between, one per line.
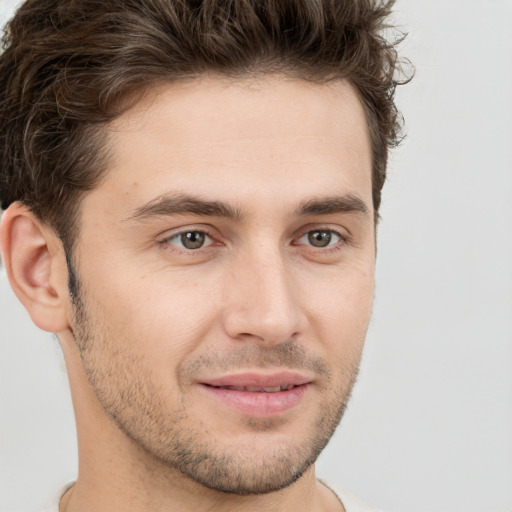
163 316
341 312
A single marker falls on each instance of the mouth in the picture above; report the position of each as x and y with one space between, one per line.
259 395
252 389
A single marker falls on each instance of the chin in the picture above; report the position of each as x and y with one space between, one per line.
261 474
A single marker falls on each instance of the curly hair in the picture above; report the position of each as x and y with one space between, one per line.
69 67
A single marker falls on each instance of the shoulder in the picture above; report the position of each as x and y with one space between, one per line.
350 501
53 504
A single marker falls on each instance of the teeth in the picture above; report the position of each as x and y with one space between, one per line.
251 389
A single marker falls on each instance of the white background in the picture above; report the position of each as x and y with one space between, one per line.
430 424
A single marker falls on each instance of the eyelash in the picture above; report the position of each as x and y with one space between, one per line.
342 239
168 241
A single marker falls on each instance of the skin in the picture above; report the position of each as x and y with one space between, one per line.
153 319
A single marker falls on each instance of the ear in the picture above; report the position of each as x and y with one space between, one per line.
35 262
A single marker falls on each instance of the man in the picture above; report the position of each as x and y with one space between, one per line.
191 192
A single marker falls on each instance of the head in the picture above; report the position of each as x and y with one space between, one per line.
206 177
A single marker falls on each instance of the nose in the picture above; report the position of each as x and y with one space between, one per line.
263 299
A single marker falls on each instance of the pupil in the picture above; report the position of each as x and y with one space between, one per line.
319 238
193 239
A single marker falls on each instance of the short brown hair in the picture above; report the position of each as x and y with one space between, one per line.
68 66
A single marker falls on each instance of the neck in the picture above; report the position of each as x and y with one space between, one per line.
113 495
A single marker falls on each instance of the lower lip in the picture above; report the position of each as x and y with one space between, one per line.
258 404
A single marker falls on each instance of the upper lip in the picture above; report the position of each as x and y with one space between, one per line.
259 380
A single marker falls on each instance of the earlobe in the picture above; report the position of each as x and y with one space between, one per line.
36 267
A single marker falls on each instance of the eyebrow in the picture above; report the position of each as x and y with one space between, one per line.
182 204
329 205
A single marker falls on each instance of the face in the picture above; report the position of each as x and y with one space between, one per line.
226 271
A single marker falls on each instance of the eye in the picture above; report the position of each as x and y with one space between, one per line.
320 238
190 240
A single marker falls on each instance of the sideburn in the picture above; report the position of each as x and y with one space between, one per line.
73 280
79 328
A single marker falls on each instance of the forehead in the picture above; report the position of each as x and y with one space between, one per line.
239 140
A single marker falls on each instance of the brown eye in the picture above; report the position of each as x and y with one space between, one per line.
320 238
190 239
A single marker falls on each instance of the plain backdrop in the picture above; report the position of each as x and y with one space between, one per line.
429 427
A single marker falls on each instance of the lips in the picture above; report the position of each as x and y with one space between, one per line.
259 381
256 394
254 389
